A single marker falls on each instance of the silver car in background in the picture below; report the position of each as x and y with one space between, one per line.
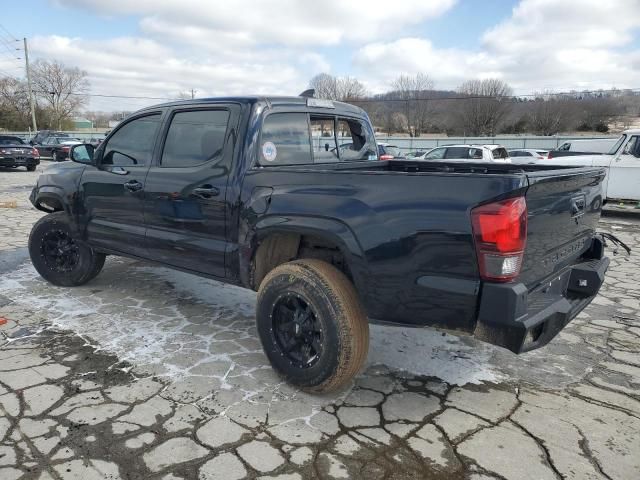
527 155
468 153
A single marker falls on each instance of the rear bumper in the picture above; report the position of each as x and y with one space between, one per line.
520 320
19 161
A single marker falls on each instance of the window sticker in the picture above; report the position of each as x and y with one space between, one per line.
269 151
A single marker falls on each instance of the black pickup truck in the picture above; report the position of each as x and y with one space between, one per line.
287 196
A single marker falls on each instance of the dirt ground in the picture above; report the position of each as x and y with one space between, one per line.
147 373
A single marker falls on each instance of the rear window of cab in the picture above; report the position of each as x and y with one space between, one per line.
299 138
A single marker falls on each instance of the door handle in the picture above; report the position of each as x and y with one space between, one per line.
206 191
133 186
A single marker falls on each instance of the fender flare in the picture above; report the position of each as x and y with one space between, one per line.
329 229
51 192
58 194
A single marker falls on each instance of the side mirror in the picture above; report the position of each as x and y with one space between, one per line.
82 153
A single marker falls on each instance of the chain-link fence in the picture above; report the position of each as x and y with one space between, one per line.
408 144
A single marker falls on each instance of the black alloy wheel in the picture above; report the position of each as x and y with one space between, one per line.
59 251
297 332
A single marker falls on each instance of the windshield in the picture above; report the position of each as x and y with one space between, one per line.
615 148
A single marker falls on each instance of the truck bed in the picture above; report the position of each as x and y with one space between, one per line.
409 223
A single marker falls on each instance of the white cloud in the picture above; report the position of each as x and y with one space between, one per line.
327 23
545 44
142 67
275 46
382 62
232 47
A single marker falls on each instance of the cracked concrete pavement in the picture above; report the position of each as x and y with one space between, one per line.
149 373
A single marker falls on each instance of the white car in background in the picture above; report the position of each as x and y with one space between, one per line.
622 164
468 153
527 155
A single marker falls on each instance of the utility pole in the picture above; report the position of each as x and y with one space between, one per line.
31 102
193 93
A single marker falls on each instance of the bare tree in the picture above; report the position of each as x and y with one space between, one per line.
337 88
14 104
350 88
548 114
62 88
414 91
487 102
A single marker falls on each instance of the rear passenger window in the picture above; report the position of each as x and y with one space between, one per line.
436 154
323 138
457 152
356 142
475 153
285 140
500 153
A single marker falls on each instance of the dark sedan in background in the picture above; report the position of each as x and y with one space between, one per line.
14 152
57 148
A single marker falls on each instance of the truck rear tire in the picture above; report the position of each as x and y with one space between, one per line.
312 325
58 256
31 168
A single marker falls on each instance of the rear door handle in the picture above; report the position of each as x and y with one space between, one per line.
206 191
133 186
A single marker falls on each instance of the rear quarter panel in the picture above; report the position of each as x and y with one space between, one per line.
414 258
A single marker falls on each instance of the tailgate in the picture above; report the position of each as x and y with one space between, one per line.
563 212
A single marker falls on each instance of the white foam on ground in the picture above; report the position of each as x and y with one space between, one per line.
143 333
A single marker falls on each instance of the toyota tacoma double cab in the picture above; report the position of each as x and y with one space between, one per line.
287 196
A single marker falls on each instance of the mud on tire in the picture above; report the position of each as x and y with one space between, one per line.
58 256
312 325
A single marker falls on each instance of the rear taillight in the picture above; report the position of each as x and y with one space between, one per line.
65 149
386 156
500 231
550 156
35 152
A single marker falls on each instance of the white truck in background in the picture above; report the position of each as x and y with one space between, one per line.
593 145
622 164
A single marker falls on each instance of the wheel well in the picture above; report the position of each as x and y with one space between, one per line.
49 204
279 248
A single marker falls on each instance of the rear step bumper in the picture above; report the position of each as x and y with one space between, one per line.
510 316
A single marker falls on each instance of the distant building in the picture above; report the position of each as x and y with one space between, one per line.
81 123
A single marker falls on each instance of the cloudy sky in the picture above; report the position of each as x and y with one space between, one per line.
158 48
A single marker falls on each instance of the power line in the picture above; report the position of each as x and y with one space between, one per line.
9 33
11 52
101 95
8 75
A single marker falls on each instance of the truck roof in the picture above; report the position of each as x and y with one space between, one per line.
273 100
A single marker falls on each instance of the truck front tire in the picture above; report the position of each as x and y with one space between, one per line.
58 256
312 325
